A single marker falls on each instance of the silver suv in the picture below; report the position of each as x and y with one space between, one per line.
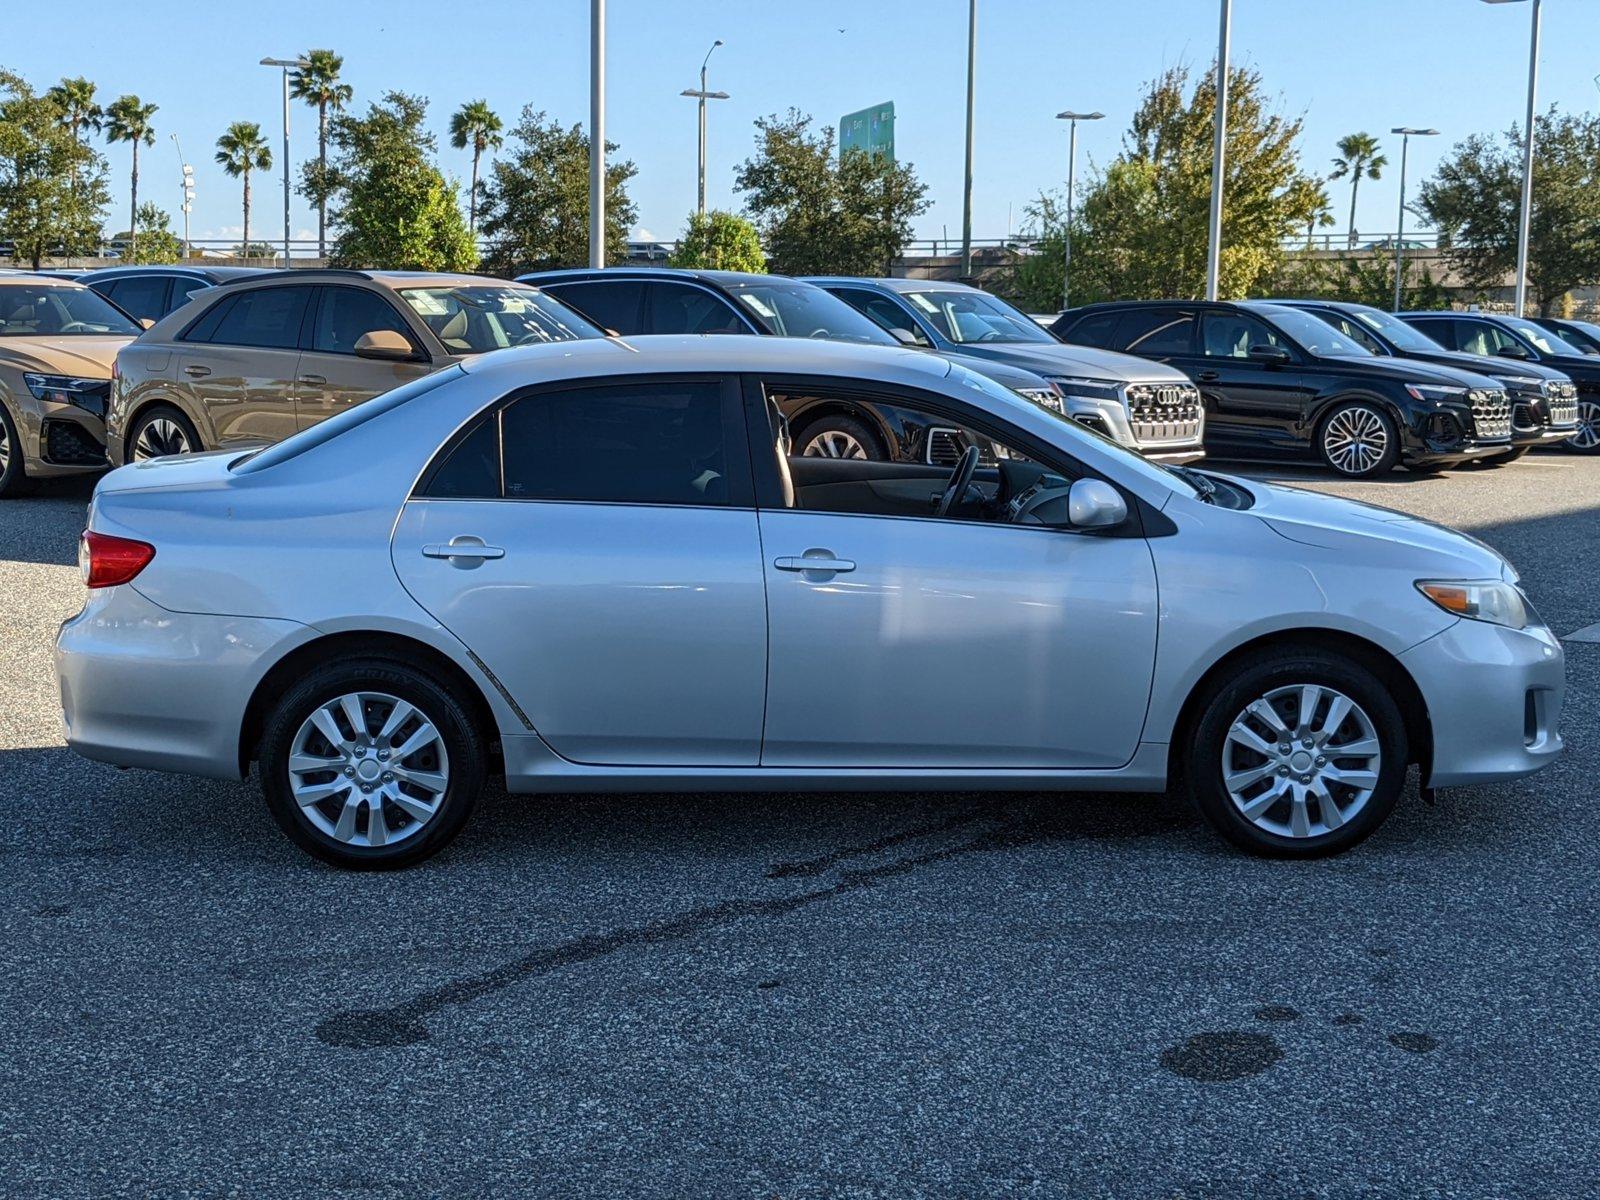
1145 406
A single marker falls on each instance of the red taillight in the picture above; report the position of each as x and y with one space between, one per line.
107 561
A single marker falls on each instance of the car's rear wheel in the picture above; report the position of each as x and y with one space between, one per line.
838 436
1359 440
1297 754
161 431
1587 439
371 764
14 479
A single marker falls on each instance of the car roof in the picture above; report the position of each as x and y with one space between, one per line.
724 278
892 283
211 274
36 277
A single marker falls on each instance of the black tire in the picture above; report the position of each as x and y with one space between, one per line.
164 412
1363 412
1587 439
841 427
14 480
1253 679
438 703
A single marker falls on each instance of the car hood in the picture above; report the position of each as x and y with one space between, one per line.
87 357
1066 359
1411 370
1006 375
1484 364
1333 523
1578 366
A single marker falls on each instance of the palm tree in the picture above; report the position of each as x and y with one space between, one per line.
476 125
240 150
127 119
1321 214
79 112
1359 159
317 83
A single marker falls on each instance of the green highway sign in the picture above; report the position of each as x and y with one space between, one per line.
871 129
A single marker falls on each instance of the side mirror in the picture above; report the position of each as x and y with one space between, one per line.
1095 504
385 344
146 322
1274 356
1513 352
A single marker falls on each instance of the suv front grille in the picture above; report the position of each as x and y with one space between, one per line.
1562 405
1163 412
1491 414
68 444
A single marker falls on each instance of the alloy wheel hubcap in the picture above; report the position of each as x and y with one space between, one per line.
1301 761
368 769
1588 435
160 438
834 443
1355 440
5 448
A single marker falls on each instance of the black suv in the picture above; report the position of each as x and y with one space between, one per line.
1544 402
1580 335
1280 384
644 300
1525 341
150 293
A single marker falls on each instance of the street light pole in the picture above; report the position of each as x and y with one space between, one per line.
188 192
597 133
285 64
1406 134
966 187
1525 217
1072 161
1219 155
702 96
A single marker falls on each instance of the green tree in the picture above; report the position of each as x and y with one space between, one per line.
240 150
1321 214
536 201
395 210
818 215
1361 277
156 243
52 184
475 124
79 112
720 241
128 120
1359 159
317 83
1474 201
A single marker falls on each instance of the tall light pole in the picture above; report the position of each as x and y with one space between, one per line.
702 95
1072 162
1406 134
1219 155
597 133
188 192
1525 219
966 186
286 65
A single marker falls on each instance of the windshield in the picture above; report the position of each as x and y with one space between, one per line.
1398 333
1543 340
977 318
473 319
800 310
1316 335
59 310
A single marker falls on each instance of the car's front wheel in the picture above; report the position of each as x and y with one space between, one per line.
371 764
14 479
1587 438
1359 440
1298 753
159 432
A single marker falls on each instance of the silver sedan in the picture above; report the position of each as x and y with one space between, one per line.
598 566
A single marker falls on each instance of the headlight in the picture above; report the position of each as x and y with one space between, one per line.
1495 601
1435 392
65 389
1044 397
1092 389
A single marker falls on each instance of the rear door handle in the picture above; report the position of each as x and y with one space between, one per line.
814 560
1208 376
465 551
197 372
317 380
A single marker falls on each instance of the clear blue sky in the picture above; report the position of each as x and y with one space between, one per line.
1458 65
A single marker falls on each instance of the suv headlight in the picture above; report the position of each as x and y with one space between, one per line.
65 389
1092 389
1435 392
1044 398
1494 600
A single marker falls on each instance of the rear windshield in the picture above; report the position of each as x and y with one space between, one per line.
59 310
470 319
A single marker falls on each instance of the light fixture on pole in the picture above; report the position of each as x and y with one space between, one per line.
702 96
1218 155
966 186
188 193
285 65
597 133
1525 217
1072 162
1406 134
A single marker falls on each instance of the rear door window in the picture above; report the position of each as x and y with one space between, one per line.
614 306
1156 332
142 297
268 317
1097 329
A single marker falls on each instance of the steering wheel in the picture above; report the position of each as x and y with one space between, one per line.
960 479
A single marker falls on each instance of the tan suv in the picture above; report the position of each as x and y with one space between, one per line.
58 340
251 362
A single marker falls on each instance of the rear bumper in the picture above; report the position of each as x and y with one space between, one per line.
1494 699
145 687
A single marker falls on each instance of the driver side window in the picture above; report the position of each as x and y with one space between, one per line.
1230 335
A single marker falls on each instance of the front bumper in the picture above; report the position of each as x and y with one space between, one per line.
1110 418
62 439
142 686
1494 700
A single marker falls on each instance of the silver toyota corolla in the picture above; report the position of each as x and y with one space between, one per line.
597 566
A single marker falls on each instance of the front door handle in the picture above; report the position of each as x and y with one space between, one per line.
464 551
197 372
1208 376
820 561
315 380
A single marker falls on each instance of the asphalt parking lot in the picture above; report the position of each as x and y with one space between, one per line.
838 995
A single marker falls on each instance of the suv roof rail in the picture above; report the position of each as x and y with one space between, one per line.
301 272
